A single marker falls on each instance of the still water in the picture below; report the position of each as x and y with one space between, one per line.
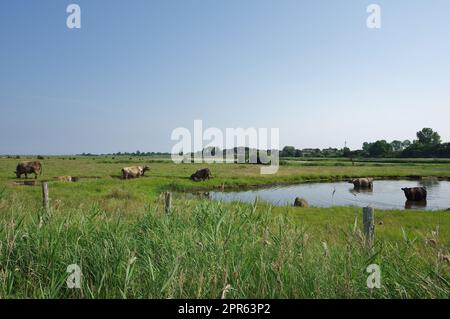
386 194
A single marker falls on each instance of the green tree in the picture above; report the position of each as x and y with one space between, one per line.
428 137
298 153
288 151
378 149
397 146
346 152
366 147
406 144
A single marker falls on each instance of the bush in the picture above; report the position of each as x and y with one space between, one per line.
120 193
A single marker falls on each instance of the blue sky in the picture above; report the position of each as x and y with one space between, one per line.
138 69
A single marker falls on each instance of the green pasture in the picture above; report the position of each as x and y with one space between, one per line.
127 247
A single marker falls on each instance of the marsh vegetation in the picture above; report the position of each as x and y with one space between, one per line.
128 247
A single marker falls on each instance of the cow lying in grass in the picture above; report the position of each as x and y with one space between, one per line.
134 171
63 178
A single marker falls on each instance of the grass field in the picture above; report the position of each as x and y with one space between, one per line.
127 247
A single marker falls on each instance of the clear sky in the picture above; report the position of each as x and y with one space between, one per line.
138 69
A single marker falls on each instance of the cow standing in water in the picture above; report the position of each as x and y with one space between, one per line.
134 171
34 167
415 194
365 183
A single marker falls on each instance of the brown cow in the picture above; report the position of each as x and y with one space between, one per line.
362 183
134 171
201 175
26 168
415 194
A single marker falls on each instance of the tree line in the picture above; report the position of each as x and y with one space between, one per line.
428 143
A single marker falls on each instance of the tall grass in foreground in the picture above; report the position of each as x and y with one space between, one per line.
202 250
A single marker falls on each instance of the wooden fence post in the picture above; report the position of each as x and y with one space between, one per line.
369 226
45 198
168 202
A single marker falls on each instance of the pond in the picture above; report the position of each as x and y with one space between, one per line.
386 194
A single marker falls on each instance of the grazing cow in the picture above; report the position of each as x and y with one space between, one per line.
134 171
362 183
26 168
201 175
415 194
64 178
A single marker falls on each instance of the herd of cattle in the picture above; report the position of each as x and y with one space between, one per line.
35 167
138 171
414 194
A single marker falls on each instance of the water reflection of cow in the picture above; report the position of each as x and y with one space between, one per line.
409 204
356 191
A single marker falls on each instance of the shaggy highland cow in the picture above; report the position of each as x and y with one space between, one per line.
26 168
